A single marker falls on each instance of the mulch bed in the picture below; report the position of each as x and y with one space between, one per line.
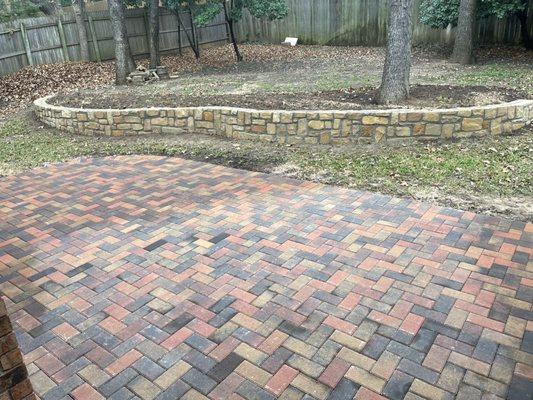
422 96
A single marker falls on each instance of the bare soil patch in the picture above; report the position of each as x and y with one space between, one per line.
422 96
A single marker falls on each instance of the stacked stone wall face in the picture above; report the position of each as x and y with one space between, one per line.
294 127
14 381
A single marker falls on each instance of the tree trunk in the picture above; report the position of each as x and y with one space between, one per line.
232 33
191 41
395 81
464 36
194 34
154 33
524 29
79 14
123 58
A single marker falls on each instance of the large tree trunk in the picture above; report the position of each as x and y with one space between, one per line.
395 81
232 33
123 58
464 36
154 33
524 29
79 14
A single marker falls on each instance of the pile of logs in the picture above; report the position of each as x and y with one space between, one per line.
142 75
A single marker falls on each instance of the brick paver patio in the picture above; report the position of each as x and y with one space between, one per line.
149 277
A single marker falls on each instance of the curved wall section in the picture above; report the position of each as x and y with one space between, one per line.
293 127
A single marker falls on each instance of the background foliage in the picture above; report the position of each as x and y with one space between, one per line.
12 9
440 13
270 9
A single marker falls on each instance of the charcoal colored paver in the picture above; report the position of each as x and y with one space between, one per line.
163 278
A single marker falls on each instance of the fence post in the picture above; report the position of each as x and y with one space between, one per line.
179 39
95 39
26 43
62 39
147 29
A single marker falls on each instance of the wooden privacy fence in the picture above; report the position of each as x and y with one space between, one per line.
333 22
360 22
45 40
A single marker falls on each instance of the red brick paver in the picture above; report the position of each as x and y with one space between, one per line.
150 277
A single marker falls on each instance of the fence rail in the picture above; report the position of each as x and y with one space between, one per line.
45 40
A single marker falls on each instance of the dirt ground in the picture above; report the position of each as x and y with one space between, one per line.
421 96
276 70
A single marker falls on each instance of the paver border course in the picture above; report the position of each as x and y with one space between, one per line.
293 127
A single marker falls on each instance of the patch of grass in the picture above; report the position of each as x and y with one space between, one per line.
340 81
13 127
500 167
499 74
24 146
21 149
273 88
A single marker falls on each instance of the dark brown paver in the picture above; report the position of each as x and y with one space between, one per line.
163 278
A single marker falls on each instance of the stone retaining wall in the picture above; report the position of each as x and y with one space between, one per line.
293 127
14 381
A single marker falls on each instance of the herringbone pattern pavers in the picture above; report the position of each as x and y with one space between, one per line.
159 278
